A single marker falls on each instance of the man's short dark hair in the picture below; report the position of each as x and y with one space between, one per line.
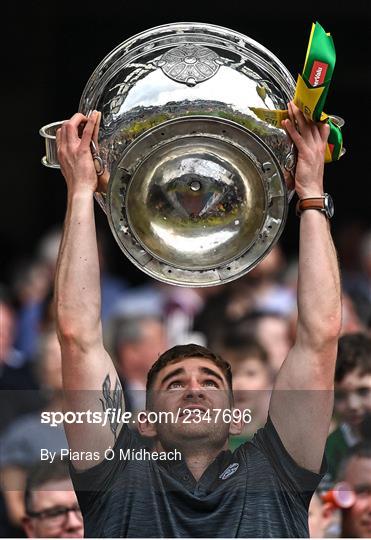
181 352
354 352
41 474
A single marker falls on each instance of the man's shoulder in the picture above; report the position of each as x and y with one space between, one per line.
272 454
255 451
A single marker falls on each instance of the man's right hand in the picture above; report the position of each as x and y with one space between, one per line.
74 153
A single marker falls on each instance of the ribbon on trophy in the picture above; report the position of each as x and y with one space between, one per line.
311 91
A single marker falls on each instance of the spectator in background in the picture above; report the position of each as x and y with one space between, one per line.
252 384
21 443
136 342
356 471
33 286
261 290
15 377
268 289
351 323
15 372
356 256
352 396
365 427
271 330
51 507
32 280
178 306
319 516
9 356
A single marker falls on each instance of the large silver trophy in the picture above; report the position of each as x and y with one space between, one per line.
197 193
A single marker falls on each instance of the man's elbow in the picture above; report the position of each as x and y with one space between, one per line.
77 336
331 328
323 334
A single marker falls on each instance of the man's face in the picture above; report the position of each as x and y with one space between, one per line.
193 383
49 498
357 519
353 397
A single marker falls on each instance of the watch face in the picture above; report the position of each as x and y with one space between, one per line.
329 205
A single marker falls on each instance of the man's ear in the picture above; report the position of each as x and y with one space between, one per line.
28 527
236 426
146 428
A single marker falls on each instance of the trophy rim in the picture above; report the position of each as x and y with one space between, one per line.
102 71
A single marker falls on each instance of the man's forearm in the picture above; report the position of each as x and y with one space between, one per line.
319 296
78 278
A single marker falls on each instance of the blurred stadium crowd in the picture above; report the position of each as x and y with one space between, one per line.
250 322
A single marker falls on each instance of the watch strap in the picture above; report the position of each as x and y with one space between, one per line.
315 203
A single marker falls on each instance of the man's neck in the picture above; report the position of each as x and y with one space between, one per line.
197 457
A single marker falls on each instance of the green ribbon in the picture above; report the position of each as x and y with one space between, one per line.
319 65
313 85
312 89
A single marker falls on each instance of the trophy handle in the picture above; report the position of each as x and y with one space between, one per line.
50 159
49 133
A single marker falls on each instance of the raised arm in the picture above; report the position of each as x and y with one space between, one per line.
302 400
90 380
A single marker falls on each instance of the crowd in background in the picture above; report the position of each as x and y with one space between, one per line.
250 322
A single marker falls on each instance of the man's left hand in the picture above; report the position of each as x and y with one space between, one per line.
310 140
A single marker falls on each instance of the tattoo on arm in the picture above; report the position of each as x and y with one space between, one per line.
113 402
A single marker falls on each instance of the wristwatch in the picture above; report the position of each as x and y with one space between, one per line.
324 204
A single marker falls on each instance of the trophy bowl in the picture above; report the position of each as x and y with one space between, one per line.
197 161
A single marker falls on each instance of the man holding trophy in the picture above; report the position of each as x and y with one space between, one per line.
262 489
200 149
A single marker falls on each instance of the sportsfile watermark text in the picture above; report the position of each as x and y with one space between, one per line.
109 416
